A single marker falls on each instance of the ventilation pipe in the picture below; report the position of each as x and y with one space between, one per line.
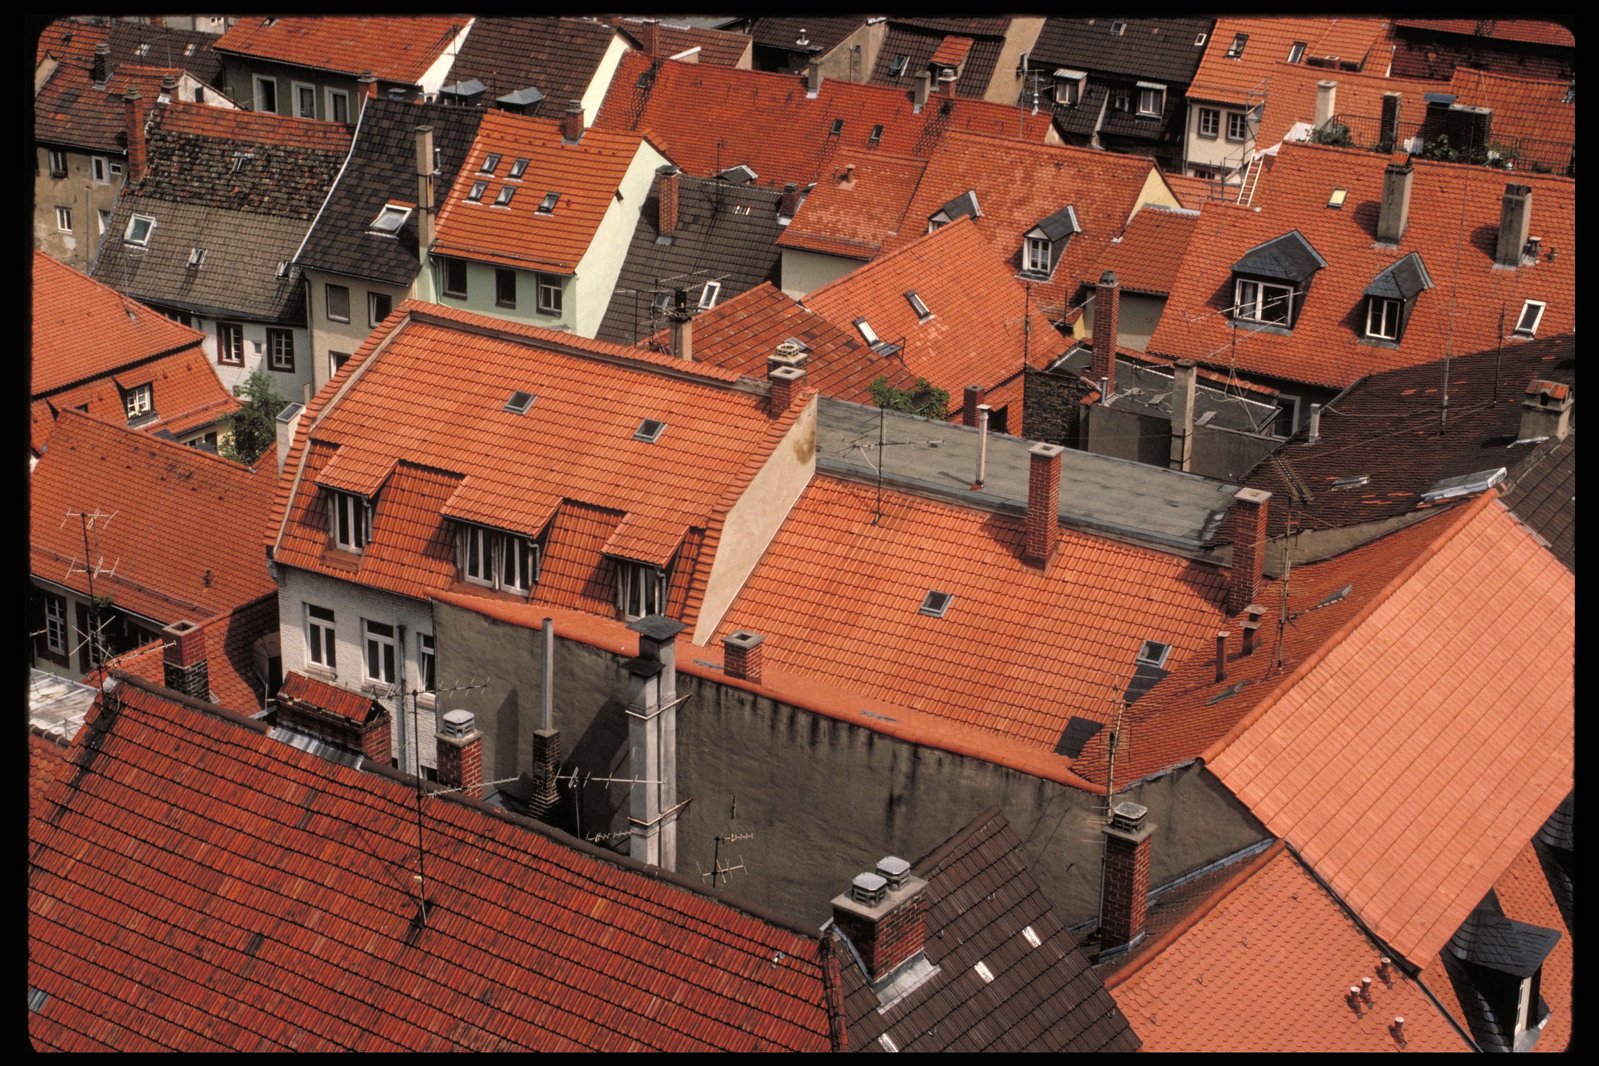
546 739
1314 434
1394 214
1107 312
982 444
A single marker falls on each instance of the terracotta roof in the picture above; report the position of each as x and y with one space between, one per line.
856 205
708 118
1529 31
1191 192
559 57
1411 803
395 48
70 110
586 176
294 922
1147 254
1263 64
147 661
72 41
921 44
1536 115
184 389
982 904
47 764
83 329
340 701
981 326
1357 103
741 333
837 596
576 457
1162 49
1267 968
720 48
1327 346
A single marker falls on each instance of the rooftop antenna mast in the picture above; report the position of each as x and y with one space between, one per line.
420 877
717 870
878 514
93 567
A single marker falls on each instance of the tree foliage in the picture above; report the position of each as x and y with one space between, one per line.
921 398
254 427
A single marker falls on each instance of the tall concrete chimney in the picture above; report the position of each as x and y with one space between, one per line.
546 769
1326 99
919 91
666 188
425 182
1125 895
100 66
460 753
1182 414
884 914
975 395
681 319
1388 124
1043 503
1394 214
1107 325
572 122
183 660
1546 412
1249 548
133 118
1515 221
741 655
652 741
813 77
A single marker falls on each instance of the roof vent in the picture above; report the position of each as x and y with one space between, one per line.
196 258
1464 485
894 870
868 889
520 402
459 723
1128 816
649 430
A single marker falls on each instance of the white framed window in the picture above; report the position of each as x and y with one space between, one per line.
319 637
390 219
116 171
337 301
304 100
640 589
338 105
549 294
139 401
1154 653
503 197
64 219
868 334
1037 255
266 93
230 344
58 163
55 624
1151 101
1531 315
1068 91
280 350
381 652
1121 101
1382 318
350 520
1296 52
139 229
1236 49
1237 126
1209 122
546 205
100 169
105 222
496 559
1259 301
378 307
709 294
426 663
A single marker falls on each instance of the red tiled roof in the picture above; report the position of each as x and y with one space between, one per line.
147 661
982 324
1410 762
47 764
184 388
395 48
721 48
71 110
710 118
293 922
1529 31
259 127
1357 103
952 51
853 217
586 176
66 39
230 650
1267 968
340 701
1535 109
1149 251
1190 191
83 329
1326 346
1264 66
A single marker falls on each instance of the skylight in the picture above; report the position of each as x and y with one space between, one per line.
1118 28
506 192
518 168
196 257
490 163
1236 49
390 219
139 229
1227 693
896 69
708 295
838 127
1531 315
239 159
1297 52
935 604
476 192
1333 597
918 306
876 136
1353 481
547 205
520 402
1154 653
869 334
1336 200
649 430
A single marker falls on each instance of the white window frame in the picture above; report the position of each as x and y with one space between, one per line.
332 98
1250 298
349 520
133 224
1382 318
427 663
280 349
1535 308
55 624
230 354
640 589
1240 119
256 82
297 90
868 334
381 652
1158 96
58 163
1031 248
115 168
495 559
1211 117
1296 51
320 637
64 219
99 170
709 295
395 216
550 299
372 317
139 401
328 289
105 221
1068 91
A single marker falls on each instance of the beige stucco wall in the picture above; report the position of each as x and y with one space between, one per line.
1135 321
802 272
601 264
853 58
1156 192
1004 86
330 336
1215 151
594 95
79 192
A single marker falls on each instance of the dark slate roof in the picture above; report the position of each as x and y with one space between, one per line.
1062 223
725 232
382 167
165 47
1557 831
918 40
556 56
1404 279
1488 941
964 204
1160 49
1488 938
980 899
1543 494
823 33
1288 258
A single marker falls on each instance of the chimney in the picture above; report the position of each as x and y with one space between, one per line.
666 184
1515 220
786 382
1546 412
1395 211
652 741
1221 655
813 78
1182 414
1043 503
183 660
1326 97
169 85
1249 548
741 655
650 35
461 753
100 69
924 82
1388 124
975 395
681 318
368 90
788 354
425 178
884 914
1254 612
1107 313
376 743
1314 433
1124 896
546 770
287 422
572 122
790 201
134 119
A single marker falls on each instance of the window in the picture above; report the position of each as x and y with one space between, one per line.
139 401
58 163
105 222
1037 255
1154 653
1296 52
351 520
868 334
230 344
1336 198
1069 91
508 191
1237 126
505 287
838 127
338 105
338 301
378 307
266 94
549 289
649 430
380 651
196 258
918 306
304 100
55 624
1151 101
489 163
241 158
455 278
280 350
319 637
708 295
1382 318
875 137
640 589
896 69
546 205
1258 301
1209 122
475 193
99 170
1121 101
139 229
390 219
936 604
1236 49
499 560
426 663
520 402
64 219
518 168
1118 28
1531 315
116 171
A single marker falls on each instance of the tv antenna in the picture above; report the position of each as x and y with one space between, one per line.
86 520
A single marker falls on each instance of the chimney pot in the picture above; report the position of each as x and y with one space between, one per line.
572 122
460 753
1515 222
183 659
666 192
868 889
741 655
790 200
885 920
1043 503
1125 886
894 870
1546 412
1394 214
1107 314
1365 989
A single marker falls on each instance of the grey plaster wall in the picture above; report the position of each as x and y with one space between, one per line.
825 799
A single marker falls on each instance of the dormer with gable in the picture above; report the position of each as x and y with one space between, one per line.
1390 299
1271 281
963 206
1043 244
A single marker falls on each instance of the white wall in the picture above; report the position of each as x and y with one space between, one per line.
601 264
1215 151
802 272
598 86
291 386
433 79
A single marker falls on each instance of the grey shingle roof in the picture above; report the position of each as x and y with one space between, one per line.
1154 49
822 33
1543 494
1288 258
382 167
725 232
556 56
918 40
1062 223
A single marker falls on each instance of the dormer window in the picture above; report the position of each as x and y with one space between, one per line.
1382 318
139 401
1069 87
1043 244
1531 315
350 520
390 219
640 589
1263 302
497 559
875 137
1270 281
1037 256
1391 297
1151 99
139 229
964 204
490 163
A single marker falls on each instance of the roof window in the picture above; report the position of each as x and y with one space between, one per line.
520 402
649 430
1531 315
518 168
1236 49
1335 596
876 136
143 49
1199 40
475 193
838 127
936 604
239 159
1353 481
1154 653
490 163
1296 52
1227 693
708 295
896 69
505 194
196 258
188 49
918 306
390 219
867 332
1118 28
1030 936
547 205
1336 200
139 230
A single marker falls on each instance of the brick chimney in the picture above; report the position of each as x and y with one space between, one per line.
975 396
100 66
1326 99
1043 503
1388 124
1249 548
461 753
546 738
376 743
666 186
1125 895
680 317
1107 315
786 382
426 181
1182 414
813 78
169 86
650 36
368 89
923 84
1546 412
1394 214
133 118
572 122
790 201
183 660
884 914
1515 221
741 655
